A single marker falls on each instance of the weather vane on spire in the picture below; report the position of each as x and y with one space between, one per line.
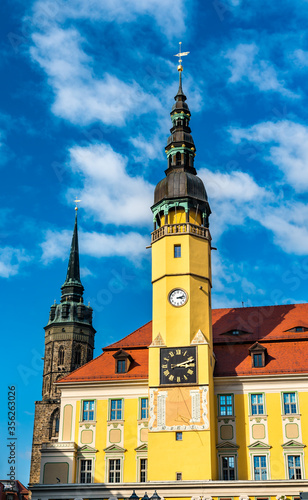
180 55
77 201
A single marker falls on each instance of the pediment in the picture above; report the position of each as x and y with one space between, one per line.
199 338
87 449
259 445
256 347
227 445
293 444
114 448
158 341
142 447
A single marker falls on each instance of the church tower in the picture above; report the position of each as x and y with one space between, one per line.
69 344
181 363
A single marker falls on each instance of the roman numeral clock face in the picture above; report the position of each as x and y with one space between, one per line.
178 365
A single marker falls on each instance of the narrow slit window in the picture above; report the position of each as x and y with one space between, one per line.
177 251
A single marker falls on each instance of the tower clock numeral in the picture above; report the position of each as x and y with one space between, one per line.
178 351
171 378
171 354
178 379
184 353
164 366
190 372
185 377
166 372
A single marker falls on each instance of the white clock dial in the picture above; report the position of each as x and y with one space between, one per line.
178 297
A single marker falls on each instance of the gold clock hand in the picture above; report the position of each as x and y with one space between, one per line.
189 360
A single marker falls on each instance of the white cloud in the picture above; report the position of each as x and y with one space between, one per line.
169 16
288 148
232 197
247 66
130 245
228 278
301 58
237 200
11 260
80 96
289 226
108 191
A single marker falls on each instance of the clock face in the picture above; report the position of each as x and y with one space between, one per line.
178 365
178 297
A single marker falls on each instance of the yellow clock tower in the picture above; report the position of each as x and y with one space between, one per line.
181 427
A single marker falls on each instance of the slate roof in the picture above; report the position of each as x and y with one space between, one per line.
286 352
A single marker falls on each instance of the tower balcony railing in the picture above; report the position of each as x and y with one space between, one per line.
182 228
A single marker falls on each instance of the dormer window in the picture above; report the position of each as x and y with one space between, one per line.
298 329
257 352
257 360
236 332
121 366
123 361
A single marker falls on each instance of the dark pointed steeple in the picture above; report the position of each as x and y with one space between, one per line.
72 288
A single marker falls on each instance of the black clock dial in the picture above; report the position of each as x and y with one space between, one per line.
178 365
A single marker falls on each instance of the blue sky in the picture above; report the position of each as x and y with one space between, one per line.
86 92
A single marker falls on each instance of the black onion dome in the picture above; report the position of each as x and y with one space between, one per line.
179 184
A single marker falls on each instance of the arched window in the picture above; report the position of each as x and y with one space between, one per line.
54 424
169 160
178 158
61 356
78 355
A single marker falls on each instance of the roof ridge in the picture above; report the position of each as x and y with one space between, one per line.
258 307
121 340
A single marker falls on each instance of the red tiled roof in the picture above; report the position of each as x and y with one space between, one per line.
281 357
263 323
142 337
286 351
103 368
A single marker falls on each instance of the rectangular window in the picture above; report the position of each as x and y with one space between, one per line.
294 467
144 413
225 405
177 251
178 436
228 468
143 470
179 476
257 404
259 468
85 471
121 366
115 470
116 407
257 360
88 410
289 403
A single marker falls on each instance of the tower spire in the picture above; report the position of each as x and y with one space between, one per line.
180 69
72 288
181 188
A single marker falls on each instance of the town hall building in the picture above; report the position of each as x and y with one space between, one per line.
199 403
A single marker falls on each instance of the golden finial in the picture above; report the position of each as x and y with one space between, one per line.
180 55
77 201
